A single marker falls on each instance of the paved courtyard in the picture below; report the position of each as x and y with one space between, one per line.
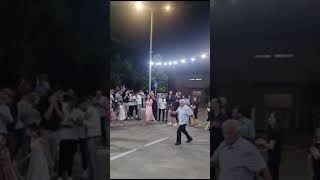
138 151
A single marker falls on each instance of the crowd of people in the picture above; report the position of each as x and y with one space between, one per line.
42 129
176 110
237 151
127 105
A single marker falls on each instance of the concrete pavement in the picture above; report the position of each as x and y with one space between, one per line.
139 151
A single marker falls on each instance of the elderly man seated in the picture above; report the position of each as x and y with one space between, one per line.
237 158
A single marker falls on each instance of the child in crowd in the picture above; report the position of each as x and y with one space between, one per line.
8 170
172 116
113 115
121 113
39 158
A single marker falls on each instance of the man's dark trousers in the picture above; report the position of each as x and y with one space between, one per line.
182 128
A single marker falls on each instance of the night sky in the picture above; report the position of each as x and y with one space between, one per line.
182 33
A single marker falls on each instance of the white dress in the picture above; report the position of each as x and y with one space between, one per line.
38 165
122 113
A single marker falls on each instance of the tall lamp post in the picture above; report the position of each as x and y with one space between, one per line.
150 61
139 6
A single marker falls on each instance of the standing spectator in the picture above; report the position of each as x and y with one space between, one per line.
71 93
101 103
186 99
154 105
53 116
5 114
217 118
162 104
237 158
137 105
42 86
118 97
93 134
194 107
126 95
273 144
28 115
247 129
8 171
169 99
314 156
131 105
68 141
39 157
143 98
24 87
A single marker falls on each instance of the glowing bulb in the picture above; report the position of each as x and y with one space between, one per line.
168 7
139 5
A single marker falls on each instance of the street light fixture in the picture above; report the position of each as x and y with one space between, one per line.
183 61
193 59
203 56
139 5
167 8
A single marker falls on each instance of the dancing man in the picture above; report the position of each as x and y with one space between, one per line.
184 113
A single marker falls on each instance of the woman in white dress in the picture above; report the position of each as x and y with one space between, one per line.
121 113
39 157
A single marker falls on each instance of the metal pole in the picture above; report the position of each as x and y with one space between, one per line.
151 31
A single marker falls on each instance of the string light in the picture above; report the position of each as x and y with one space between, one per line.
181 61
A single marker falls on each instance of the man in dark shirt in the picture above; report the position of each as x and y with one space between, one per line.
155 107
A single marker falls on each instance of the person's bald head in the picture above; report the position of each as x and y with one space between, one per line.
231 131
182 102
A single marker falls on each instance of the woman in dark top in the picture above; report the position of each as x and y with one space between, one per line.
273 144
217 118
154 105
314 156
53 116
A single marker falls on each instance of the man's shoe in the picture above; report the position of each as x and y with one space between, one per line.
177 143
189 140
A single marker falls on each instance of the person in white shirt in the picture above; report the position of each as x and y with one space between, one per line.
184 112
69 135
162 104
138 105
143 98
121 113
101 103
112 98
27 115
131 104
91 122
